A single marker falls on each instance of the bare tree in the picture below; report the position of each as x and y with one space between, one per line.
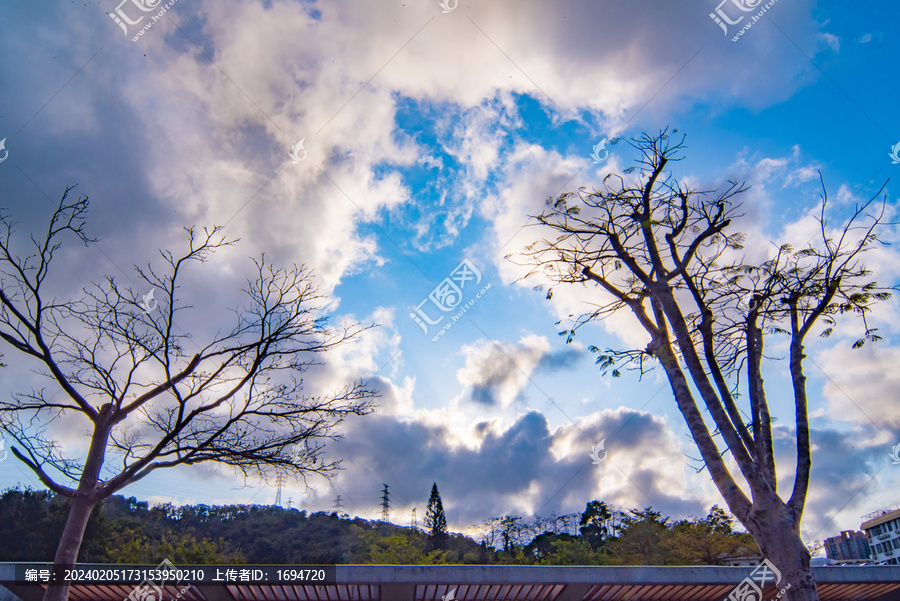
489 531
122 366
664 252
557 524
513 529
510 530
539 524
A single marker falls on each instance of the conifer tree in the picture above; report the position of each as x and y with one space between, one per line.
435 521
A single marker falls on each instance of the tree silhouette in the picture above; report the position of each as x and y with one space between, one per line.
123 373
663 252
435 520
598 523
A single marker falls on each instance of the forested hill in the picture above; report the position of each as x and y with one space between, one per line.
124 530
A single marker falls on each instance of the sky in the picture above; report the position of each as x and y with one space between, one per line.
392 145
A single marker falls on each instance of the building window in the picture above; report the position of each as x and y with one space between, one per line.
897 543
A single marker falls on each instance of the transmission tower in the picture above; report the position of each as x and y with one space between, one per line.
385 504
413 523
338 505
279 482
290 499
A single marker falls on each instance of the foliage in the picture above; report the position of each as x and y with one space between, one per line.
572 552
124 530
598 523
31 522
179 548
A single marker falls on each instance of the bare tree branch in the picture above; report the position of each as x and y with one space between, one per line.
654 240
122 368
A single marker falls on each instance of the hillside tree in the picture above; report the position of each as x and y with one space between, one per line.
435 520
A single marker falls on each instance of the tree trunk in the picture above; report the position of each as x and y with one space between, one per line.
773 525
69 544
778 535
89 493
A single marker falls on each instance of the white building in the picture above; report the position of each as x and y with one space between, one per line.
883 530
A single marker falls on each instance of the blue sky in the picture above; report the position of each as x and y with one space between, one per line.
430 138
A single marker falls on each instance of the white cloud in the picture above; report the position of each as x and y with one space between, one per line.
199 121
208 140
862 385
833 41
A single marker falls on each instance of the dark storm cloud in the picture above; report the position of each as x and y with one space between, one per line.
673 504
71 127
485 394
629 430
510 468
556 361
411 455
847 470
516 465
